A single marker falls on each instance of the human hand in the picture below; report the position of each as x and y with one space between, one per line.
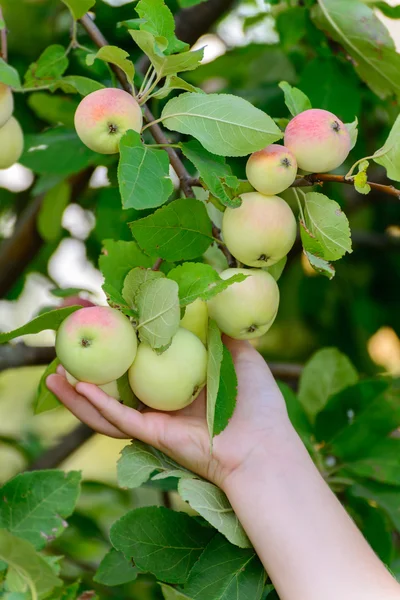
259 416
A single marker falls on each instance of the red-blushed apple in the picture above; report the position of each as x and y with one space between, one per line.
6 104
247 309
11 143
109 388
271 170
195 319
104 116
173 379
261 231
318 139
96 344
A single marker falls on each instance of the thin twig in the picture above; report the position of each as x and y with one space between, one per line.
3 38
55 455
321 178
157 264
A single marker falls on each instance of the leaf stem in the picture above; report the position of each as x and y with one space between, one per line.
151 123
162 146
296 193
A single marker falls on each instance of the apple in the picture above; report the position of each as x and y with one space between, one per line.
271 170
11 143
173 379
109 388
318 139
96 344
104 116
247 309
261 231
195 319
6 104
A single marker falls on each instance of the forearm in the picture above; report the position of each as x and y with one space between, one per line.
308 544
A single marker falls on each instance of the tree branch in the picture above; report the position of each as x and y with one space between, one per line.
21 355
54 456
3 39
321 178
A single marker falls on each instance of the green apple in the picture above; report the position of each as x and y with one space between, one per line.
109 388
271 170
11 143
195 319
173 379
104 116
96 344
247 309
6 104
261 231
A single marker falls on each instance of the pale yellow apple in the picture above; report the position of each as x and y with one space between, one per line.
173 379
11 143
109 388
195 319
247 309
261 231
6 103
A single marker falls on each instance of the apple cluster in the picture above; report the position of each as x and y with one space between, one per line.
99 344
11 136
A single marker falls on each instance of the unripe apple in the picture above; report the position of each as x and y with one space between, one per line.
318 139
6 104
11 143
109 388
247 309
103 117
96 344
173 379
195 319
261 231
272 170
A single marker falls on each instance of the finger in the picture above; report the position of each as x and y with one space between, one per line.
61 370
142 426
80 407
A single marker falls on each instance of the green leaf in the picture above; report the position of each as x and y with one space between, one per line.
276 270
355 27
49 320
72 84
393 12
118 259
328 224
215 356
389 155
188 3
213 170
326 373
224 124
361 179
165 65
227 392
115 300
115 56
159 21
295 99
180 231
175 83
380 463
138 461
161 541
291 25
34 504
224 572
51 211
79 7
385 496
53 109
296 412
170 593
9 75
159 313
115 569
45 399
320 265
56 151
23 558
213 505
143 174
49 67
135 278
198 280
126 395
352 128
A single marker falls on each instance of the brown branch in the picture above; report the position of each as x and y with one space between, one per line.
157 264
186 181
55 455
3 39
286 371
21 355
321 178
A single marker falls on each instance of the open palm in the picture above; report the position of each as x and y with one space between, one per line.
183 434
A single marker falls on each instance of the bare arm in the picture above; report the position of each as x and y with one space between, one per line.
308 544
